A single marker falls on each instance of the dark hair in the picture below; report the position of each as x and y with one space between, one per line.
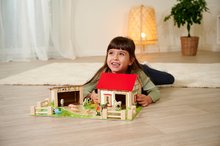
121 43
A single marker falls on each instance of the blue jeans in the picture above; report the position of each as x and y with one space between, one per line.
158 77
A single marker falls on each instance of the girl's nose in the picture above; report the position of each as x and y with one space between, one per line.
115 56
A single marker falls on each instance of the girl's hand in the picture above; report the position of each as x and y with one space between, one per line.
143 100
94 97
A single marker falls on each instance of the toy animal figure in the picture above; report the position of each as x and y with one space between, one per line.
57 110
62 102
87 101
98 110
117 105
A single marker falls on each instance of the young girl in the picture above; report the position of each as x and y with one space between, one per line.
121 58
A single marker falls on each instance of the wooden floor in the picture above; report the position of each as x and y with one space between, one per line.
182 117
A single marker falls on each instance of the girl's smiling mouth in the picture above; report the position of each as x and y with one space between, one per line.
115 64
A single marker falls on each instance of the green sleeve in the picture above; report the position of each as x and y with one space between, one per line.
89 87
149 86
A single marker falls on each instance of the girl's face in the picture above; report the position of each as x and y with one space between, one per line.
118 60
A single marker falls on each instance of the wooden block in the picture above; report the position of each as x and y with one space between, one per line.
40 112
45 102
123 114
33 110
114 116
39 104
130 115
50 110
104 113
133 108
40 108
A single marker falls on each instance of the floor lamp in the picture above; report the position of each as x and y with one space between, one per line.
142 26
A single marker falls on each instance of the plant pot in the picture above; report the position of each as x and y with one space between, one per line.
189 45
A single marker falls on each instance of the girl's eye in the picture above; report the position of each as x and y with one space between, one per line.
122 53
110 52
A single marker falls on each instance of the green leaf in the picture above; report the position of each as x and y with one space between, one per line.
187 12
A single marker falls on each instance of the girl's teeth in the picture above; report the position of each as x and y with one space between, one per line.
115 64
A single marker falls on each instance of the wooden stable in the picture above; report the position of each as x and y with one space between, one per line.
69 94
59 96
113 88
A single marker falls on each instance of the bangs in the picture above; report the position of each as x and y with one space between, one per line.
119 46
122 43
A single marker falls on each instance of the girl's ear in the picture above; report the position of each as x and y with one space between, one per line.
131 61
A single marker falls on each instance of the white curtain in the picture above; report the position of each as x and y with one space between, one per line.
36 29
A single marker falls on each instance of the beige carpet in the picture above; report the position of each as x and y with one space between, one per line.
187 75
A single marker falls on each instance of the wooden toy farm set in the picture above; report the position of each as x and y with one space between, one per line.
116 93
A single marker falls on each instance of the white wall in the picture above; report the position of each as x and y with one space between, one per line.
98 21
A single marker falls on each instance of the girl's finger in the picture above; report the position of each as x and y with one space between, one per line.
139 98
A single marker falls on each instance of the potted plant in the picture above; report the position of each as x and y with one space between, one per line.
188 12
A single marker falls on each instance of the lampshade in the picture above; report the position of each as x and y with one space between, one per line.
142 25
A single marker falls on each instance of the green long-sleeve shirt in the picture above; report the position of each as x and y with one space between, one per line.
147 86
